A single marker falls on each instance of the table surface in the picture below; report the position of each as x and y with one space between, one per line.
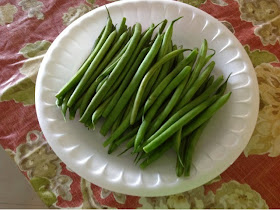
15 191
27 29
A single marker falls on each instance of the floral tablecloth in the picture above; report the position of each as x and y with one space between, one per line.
27 29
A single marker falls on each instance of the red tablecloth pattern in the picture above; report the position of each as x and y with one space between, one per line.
27 29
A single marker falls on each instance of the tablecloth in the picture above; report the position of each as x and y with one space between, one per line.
27 29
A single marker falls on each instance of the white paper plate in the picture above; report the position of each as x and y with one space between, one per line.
222 141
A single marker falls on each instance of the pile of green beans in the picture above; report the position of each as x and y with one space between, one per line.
152 95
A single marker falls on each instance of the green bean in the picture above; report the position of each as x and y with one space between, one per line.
106 72
123 27
206 115
223 87
99 56
176 138
148 76
163 73
126 96
91 90
180 57
208 58
73 109
156 155
121 50
165 67
190 148
150 85
121 129
97 99
183 110
128 72
113 62
168 79
109 56
172 61
98 112
99 37
118 121
199 65
176 126
131 68
151 113
59 102
101 83
174 99
196 85
141 155
158 75
64 103
126 81
78 76
129 135
161 29
179 165
204 86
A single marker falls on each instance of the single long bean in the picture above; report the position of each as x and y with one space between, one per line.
64 103
98 38
73 109
205 85
190 148
101 83
179 165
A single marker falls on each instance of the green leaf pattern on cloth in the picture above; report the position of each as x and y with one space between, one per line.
22 91
265 15
266 137
89 202
43 168
74 13
195 3
259 56
231 195
34 52
41 186
33 8
7 13
31 50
